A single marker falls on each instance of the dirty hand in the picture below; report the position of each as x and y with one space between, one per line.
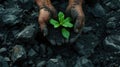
74 9
46 11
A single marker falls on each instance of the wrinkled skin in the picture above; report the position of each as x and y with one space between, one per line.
47 10
74 9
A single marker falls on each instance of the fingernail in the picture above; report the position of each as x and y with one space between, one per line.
45 31
76 30
52 42
45 34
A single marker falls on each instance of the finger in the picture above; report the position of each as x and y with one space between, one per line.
79 24
43 27
71 11
53 12
74 13
43 18
45 31
51 9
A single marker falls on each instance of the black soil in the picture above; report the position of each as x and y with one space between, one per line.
23 45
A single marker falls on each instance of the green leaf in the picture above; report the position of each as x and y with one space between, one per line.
61 16
65 33
66 22
54 23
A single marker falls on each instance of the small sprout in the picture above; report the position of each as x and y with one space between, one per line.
65 22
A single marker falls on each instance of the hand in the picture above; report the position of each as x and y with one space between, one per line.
76 12
46 11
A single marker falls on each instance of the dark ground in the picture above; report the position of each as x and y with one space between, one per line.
22 45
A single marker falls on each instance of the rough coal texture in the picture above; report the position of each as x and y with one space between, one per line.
23 45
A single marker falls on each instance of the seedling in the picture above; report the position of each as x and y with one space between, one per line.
64 22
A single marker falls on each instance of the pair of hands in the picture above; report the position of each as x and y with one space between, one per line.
75 11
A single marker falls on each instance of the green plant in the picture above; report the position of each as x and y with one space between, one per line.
64 22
